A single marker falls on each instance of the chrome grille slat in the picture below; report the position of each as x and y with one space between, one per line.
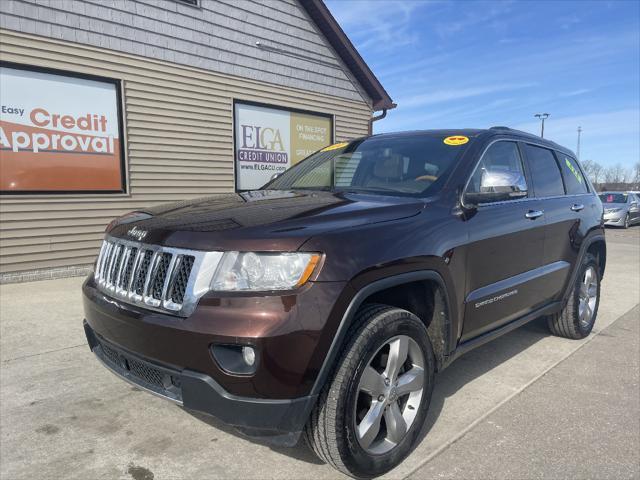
117 260
167 279
103 247
112 257
134 270
147 281
169 276
107 259
124 259
160 275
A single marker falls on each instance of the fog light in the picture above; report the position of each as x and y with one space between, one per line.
249 355
236 359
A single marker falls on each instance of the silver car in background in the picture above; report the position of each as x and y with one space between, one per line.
621 209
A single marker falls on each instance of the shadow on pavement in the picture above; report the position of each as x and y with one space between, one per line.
478 362
464 370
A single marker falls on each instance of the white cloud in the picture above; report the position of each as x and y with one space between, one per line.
616 123
496 16
575 93
602 134
452 94
380 25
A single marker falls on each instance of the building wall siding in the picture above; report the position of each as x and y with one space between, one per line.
220 36
178 124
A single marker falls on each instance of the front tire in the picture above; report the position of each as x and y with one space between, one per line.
370 414
577 318
626 221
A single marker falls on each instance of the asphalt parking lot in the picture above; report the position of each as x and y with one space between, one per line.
528 405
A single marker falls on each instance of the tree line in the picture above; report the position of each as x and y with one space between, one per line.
615 177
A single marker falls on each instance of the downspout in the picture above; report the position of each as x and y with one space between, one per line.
376 118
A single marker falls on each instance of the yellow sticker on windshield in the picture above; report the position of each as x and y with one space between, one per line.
335 146
456 140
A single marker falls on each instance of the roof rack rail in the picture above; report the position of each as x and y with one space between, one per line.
500 127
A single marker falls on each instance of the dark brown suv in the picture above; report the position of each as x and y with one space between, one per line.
324 303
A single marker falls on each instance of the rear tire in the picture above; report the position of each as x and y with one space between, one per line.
363 390
577 318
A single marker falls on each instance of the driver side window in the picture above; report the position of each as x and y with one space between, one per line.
500 172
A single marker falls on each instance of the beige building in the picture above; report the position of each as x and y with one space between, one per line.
112 106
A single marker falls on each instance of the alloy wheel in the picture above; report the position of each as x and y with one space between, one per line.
389 395
588 296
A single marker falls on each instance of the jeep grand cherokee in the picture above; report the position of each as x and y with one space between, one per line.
323 304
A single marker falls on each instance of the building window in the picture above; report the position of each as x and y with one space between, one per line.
270 139
60 133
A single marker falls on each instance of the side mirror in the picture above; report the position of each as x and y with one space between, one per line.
497 186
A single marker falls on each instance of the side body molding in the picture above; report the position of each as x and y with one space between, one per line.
515 281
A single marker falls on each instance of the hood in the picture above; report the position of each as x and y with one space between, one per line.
262 220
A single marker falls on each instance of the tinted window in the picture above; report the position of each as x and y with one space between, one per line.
613 197
573 179
408 164
545 174
502 159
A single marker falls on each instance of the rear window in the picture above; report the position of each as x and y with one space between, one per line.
545 174
613 197
573 179
405 165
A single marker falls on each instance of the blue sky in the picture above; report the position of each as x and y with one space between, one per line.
476 64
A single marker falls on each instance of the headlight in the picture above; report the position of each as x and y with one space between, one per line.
246 271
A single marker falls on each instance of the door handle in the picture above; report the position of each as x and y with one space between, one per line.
576 207
533 214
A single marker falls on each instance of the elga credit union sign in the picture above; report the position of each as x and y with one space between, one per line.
269 140
59 133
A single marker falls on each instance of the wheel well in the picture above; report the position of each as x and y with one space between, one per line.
426 300
599 250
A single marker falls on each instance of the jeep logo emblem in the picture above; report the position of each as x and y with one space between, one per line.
137 233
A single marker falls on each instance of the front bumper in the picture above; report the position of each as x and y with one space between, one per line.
171 356
614 219
277 421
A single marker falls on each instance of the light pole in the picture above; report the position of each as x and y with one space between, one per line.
542 117
578 149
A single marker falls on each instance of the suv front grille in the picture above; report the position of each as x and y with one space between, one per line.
155 277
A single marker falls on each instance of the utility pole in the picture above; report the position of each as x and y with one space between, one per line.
578 149
542 117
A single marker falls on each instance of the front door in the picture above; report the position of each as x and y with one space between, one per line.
505 250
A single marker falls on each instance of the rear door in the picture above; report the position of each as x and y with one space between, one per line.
506 243
558 183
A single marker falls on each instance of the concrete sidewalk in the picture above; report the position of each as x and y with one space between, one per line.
64 416
580 420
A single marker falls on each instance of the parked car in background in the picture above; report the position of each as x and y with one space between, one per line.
323 305
621 209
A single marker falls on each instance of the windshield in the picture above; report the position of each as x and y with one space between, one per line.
404 165
613 197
